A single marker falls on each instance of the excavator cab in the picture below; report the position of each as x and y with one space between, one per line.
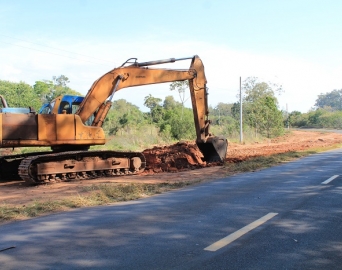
67 103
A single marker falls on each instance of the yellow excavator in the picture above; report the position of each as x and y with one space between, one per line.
71 134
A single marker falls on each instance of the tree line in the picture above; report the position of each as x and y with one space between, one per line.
260 113
261 116
326 113
24 95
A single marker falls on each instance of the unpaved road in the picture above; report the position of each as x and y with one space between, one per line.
167 170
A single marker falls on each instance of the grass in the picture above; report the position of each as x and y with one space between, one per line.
94 195
102 194
262 162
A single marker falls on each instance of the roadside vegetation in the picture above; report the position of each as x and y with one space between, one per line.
327 113
168 120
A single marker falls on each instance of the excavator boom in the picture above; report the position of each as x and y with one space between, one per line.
136 74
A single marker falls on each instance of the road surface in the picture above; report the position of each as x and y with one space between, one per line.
285 217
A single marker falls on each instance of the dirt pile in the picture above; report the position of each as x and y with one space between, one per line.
295 141
185 156
173 158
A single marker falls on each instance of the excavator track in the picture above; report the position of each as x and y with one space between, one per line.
78 165
9 165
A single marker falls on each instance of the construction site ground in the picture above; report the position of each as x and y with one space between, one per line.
180 162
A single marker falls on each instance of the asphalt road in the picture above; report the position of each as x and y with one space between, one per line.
285 217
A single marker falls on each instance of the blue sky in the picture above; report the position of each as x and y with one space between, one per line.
293 43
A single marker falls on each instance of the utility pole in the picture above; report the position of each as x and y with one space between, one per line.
241 132
287 114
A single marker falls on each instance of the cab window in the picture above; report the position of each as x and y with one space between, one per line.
64 106
46 110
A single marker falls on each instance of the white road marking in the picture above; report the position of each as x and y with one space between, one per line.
232 237
330 179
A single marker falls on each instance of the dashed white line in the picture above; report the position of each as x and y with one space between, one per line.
232 237
329 180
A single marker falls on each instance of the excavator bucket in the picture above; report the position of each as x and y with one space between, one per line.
214 149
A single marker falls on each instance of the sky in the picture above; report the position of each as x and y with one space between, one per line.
293 43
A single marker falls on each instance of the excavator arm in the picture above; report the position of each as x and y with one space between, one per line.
98 98
136 74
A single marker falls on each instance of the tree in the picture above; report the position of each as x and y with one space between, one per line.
49 90
314 117
295 119
153 103
123 115
221 112
332 99
43 90
272 124
179 127
19 95
180 86
260 107
60 87
60 80
170 103
223 109
235 110
254 89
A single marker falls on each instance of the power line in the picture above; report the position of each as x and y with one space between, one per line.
59 54
56 48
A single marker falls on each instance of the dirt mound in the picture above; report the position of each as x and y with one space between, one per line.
186 155
173 158
295 141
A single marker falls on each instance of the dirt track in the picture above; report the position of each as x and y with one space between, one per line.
179 162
